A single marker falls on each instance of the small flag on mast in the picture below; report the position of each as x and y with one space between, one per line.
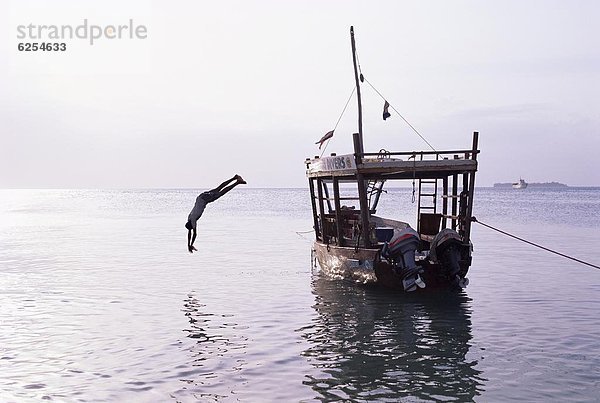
386 114
327 136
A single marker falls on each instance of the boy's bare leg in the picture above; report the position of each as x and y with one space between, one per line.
222 185
238 181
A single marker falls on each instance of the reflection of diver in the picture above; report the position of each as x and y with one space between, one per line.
191 308
376 344
217 354
209 327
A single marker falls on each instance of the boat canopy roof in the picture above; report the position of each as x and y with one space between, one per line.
409 165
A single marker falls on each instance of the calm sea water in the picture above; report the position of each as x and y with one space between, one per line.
100 301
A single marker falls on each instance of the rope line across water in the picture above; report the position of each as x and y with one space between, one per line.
473 219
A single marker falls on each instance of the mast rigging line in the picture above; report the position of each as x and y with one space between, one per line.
362 79
473 219
340 118
399 114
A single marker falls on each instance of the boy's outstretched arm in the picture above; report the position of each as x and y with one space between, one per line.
191 239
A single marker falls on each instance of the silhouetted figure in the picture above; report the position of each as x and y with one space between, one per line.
202 200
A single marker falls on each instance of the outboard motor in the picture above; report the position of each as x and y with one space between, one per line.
401 250
445 250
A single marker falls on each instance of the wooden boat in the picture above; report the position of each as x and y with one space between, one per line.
356 244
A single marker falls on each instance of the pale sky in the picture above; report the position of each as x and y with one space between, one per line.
248 87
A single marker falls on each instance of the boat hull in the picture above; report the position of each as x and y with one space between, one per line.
364 266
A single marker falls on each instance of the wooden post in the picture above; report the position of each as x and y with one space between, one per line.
322 210
338 209
444 201
464 201
471 189
357 153
326 192
364 211
362 197
418 206
311 186
454 200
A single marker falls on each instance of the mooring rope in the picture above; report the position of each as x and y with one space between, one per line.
302 233
340 118
473 219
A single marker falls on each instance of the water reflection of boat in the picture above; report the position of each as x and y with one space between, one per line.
369 344
521 184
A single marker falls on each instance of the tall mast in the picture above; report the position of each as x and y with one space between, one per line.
356 78
358 153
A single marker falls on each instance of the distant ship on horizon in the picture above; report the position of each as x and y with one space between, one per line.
521 184
543 185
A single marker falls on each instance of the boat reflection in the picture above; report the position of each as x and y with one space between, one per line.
374 344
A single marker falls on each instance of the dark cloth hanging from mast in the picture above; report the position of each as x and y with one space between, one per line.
327 136
386 114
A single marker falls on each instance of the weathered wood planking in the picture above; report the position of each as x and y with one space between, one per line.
393 169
